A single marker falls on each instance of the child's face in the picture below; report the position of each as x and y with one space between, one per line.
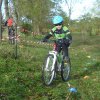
58 27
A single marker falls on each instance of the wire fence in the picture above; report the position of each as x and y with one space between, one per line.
22 45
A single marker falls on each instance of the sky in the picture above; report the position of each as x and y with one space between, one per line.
80 8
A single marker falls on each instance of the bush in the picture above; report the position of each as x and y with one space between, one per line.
26 28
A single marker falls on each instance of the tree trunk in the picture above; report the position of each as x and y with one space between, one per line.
0 20
6 8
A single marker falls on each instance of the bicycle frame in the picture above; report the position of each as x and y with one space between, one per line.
54 53
57 57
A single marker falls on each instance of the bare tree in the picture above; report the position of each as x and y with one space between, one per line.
70 6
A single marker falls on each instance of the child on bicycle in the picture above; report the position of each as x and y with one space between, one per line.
61 34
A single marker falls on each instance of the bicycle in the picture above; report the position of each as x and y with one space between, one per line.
11 35
55 62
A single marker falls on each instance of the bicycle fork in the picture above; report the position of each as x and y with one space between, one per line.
54 53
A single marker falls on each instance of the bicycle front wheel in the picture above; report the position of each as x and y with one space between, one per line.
65 69
13 40
48 70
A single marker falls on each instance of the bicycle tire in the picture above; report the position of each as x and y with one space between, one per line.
13 40
65 69
11 36
48 70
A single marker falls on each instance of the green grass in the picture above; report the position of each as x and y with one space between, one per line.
20 79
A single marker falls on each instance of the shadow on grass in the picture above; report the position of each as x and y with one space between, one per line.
87 71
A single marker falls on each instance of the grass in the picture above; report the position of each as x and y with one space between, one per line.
20 79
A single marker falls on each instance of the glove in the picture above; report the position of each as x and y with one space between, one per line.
66 41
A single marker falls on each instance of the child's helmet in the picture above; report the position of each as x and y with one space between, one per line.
57 19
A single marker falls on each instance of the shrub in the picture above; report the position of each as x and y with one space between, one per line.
26 28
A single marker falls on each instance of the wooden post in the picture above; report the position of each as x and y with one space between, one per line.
16 42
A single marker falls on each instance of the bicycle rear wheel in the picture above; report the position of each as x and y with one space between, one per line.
13 40
65 69
12 37
48 70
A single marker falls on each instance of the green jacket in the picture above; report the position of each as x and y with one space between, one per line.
63 33
60 34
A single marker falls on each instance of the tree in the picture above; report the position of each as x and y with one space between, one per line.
70 5
96 25
6 9
96 9
0 20
38 12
